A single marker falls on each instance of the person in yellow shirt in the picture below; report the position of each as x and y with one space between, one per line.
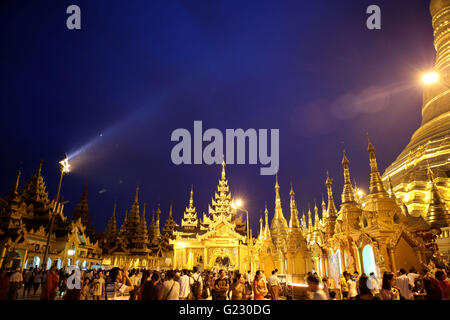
343 284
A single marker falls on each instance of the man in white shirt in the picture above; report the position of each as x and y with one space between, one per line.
372 283
412 276
170 289
314 292
403 285
274 285
185 285
197 286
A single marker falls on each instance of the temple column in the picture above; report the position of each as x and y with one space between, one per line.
174 258
25 257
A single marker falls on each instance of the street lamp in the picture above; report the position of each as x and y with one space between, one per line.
64 167
238 206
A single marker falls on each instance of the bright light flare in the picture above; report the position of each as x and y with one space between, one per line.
238 203
430 78
65 165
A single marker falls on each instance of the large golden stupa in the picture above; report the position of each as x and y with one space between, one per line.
430 144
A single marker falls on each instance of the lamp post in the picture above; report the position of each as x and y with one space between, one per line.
64 167
238 206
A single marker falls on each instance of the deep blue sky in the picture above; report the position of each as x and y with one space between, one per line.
137 70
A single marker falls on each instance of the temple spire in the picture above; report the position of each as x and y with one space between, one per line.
310 221
266 227
158 214
376 185
261 229
437 214
324 208
111 229
191 199
136 196
223 167
278 209
331 210
16 185
348 195
293 221
316 216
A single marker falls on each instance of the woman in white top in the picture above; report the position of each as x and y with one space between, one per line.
352 292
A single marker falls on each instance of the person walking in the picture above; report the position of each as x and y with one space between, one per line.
50 286
197 285
185 285
170 289
314 291
28 278
274 285
37 281
15 282
326 287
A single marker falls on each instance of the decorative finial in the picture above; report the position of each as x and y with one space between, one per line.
40 167
136 196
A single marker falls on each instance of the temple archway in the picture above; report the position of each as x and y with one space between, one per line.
369 260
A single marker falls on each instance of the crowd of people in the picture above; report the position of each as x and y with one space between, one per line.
143 284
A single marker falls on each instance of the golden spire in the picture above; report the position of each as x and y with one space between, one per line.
16 185
85 191
293 221
40 168
437 214
391 188
316 216
348 194
331 210
111 228
310 221
266 227
143 211
191 199
170 211
158 213
376 186
278 209
261 229
324 208
223 167
136 196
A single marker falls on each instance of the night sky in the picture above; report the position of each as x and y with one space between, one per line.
137 70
